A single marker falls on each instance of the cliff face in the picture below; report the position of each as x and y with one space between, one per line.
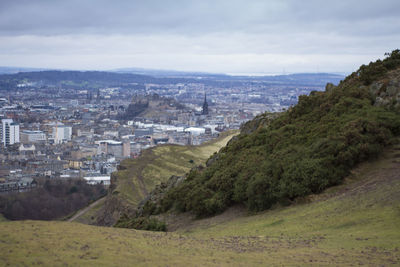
114 206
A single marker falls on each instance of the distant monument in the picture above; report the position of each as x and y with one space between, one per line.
205 106
98 96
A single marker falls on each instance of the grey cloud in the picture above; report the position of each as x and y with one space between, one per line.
195 17
189 34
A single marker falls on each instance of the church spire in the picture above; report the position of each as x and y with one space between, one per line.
205 105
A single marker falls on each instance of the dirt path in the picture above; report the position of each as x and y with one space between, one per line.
83 211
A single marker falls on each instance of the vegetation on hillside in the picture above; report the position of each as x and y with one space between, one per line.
136 177
141 223
53 199
355 223
310 147
376 70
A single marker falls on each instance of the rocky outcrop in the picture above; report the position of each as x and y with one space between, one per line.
261 120
387 92
151 204
329 87
114 207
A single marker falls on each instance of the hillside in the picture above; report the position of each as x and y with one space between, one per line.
137 177
71 79
355 223
150 107
100 79
309 148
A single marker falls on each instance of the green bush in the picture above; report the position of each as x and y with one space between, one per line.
141 223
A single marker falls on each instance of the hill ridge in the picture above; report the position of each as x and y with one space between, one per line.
307 149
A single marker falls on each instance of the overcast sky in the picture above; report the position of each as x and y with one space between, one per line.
225 36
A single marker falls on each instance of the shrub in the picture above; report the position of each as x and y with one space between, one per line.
141 223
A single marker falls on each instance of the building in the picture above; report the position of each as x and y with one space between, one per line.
9 132
26 147
126 149
98 179
32 136
205 106
116 148
62 133
143 132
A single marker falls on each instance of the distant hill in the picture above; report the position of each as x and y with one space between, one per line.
150 106
98 79
73 79
307 149
164 73
12 70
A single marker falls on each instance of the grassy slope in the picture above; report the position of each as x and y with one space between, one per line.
355 223
2 219
89 217
158 164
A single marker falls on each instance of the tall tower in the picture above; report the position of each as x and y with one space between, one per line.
98 96
205 105
9 132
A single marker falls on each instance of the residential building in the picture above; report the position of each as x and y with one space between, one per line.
62 133
9 132
32 136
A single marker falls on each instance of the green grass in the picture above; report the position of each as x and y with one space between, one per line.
356 223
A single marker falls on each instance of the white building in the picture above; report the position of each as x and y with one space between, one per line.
9 132
62 133
93 180
26 147
32 136
195 130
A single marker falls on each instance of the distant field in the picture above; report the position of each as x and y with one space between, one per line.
356 223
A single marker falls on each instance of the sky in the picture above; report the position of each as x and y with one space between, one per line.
220 36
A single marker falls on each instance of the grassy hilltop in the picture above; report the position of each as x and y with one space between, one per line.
137 177
351 224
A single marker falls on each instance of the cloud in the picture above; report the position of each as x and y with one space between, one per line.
190 17
57 32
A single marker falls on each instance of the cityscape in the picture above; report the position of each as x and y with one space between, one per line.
199 133
49 132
